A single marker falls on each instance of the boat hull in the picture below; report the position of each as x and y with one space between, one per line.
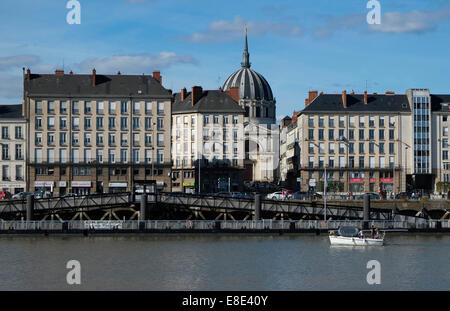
355 241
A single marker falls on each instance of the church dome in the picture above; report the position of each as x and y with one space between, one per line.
252 85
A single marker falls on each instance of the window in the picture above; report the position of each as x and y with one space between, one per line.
352 121
18 131
311 121
62 139
160 108
111 156
351 134
51 139
123 123
331 134
341 162
361 147
136 155
381 122
112 123
75 109
5 172
361 134
5 152
341 121
87 123
361 121
38 123
160 156
62 107
391 121
99 139
124 139
19 153
148 123
341 148
123 107
372 162
321 148
371 148
51 107
87 139
205 120
321 136
310 134
38 139
381 134
112 107
148 140
311 162
371 121
136 107
382 162
331 122
361 162
391 148
216 119
38 107
381 147
311 148
351 148
135 123
160 124
331 162
391 135
5 132
371 134
331 147
76 123
235 120
148 107
62 123
111 139
123 155
321 121
160 140
87 108
75 139
445 155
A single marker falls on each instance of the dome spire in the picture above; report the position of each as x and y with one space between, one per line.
246 56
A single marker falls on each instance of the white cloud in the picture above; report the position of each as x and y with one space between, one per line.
17 61
411 22
137 64
226 30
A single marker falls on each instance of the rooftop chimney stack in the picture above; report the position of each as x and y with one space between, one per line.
157 76
312 95
59 72
94 73
183 94
71 73
28 74
344 98
306 102
196 94
118 73
365 97
234 93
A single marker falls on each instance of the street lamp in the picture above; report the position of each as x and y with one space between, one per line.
325 185
406 153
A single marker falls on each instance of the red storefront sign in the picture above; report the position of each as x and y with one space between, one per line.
387 180
372 180
355 180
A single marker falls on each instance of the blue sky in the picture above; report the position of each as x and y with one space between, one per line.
297 45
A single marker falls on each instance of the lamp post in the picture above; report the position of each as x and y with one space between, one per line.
406 153
325 185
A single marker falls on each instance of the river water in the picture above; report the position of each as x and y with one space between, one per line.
221 262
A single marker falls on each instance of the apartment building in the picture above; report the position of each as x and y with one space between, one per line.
207 141
13 143
91 133
361 141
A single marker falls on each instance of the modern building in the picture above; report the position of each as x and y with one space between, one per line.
207 142
362 141
91 133
254 94
14 144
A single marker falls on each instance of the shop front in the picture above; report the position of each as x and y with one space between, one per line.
81 187
356 185
62 187
189 187
45 186
387 184
117 187
12 188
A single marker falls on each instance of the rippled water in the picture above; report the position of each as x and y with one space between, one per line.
221 262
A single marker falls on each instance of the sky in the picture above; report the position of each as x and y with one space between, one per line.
297 45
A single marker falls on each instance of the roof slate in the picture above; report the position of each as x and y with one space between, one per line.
11 112
211 101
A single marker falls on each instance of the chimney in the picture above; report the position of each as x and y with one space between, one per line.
312 95
59 72
157 76
234 93
352 93
344 98
390 93
28 74
183 94
196 94
365 97
71 73
321 93
306 102
94 72
118 73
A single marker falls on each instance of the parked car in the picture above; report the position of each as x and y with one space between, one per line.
300 195
372 195
5 195
22 195
402 195
275 196
238 195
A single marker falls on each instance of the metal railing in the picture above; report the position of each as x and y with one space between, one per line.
238 225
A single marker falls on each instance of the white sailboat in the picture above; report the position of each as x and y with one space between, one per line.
348 236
